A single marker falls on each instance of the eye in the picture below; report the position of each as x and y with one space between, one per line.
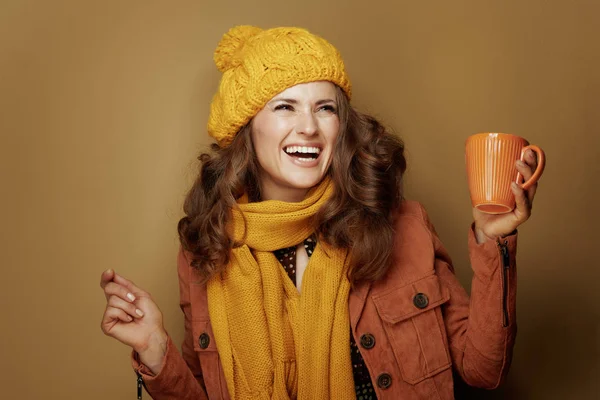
328 108
285 107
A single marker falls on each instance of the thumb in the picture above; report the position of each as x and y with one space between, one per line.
106 277
523 210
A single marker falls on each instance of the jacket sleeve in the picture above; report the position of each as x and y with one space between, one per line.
481 330
180 376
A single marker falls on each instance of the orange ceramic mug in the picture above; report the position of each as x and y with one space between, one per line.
490 159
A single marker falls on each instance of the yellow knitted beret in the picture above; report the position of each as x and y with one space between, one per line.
258 64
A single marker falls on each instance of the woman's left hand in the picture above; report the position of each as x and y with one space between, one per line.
491 226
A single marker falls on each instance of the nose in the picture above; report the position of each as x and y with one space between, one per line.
307 124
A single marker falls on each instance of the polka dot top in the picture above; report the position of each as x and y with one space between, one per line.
362 380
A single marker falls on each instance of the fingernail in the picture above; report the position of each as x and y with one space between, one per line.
108 271
521 163
130 296
139 312
129 318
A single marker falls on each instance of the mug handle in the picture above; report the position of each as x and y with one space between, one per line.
541 164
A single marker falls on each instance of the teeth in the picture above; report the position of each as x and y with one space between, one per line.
302 149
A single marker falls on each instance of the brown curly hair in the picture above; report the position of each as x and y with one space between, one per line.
367 168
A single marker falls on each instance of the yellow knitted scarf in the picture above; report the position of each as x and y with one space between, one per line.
273 342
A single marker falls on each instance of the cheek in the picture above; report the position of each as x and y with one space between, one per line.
263 153
332 130
266 146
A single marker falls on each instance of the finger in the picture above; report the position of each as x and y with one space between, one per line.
114 289
523 207
111 316
128 284
531 159
129 308
527 172
523 168
106 277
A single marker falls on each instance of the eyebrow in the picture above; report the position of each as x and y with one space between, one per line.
294 101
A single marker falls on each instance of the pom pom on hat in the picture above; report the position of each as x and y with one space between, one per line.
227 54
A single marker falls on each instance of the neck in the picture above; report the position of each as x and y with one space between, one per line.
289 195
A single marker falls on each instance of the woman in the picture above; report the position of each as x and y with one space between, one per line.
303 272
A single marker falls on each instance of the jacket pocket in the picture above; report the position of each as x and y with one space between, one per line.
205 345
206 349
412 319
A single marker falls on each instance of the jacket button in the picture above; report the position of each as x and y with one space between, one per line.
367 341
384 381
204 340
420 300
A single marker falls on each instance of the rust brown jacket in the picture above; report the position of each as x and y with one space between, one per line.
414 327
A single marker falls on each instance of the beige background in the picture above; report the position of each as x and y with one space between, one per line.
102 112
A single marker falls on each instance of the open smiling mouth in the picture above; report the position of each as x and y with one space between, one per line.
303 153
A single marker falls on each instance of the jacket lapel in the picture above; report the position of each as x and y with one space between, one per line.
356 302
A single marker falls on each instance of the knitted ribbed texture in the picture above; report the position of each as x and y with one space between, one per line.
259 64
273 342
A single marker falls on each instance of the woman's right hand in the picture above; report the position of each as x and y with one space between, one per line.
133 318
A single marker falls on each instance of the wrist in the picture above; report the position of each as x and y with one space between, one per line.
481 237
153 353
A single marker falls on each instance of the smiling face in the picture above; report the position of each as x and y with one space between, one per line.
294 137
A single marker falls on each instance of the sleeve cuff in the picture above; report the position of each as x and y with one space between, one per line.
487 252
143 370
